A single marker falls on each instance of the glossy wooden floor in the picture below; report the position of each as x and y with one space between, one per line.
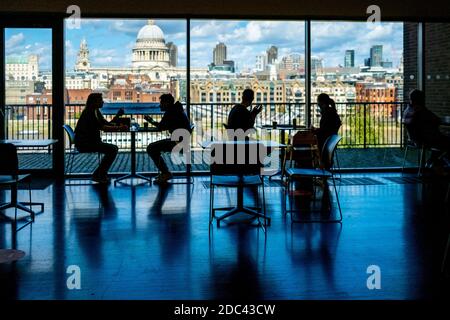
154 243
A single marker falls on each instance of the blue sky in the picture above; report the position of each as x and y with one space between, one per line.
111 40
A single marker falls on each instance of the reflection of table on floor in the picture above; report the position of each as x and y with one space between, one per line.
240 208
23 205
133 173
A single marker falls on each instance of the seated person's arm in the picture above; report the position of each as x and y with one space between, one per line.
109 126
117 116
255 111
162 125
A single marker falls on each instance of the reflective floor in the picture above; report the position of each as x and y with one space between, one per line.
87 162
154 243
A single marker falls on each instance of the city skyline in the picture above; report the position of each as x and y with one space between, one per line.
244 40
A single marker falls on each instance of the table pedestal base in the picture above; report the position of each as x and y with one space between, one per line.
133 176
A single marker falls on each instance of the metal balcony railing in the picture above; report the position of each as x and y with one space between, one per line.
364 125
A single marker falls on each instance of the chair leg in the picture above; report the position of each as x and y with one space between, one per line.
338 164
291 199
71 163
31 208
422 154
257 204
66 161
337 198
444 261
67 164
211 204
404 157
264 207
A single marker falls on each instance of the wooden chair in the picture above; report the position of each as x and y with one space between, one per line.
325 172
303 150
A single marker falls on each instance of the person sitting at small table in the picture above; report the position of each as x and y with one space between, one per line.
174 118
88 139
240 117
330 122
422 126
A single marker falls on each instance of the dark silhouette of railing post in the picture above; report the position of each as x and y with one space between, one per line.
290 114
402 138
212 121
365 126
49 128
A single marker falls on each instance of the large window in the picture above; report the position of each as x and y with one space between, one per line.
131 62
228 56
360 65
28 90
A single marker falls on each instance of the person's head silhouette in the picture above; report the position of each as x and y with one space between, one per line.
324 102
166 100
247 97
94 101
417 98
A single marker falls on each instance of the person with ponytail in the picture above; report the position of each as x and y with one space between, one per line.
330 122
88 137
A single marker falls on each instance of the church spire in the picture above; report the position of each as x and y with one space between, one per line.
83 63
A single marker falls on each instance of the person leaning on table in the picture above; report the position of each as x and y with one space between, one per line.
174 118
87 135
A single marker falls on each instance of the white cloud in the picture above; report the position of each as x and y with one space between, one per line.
14 41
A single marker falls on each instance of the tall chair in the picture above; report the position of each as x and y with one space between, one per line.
9 176
237 165
303 148
72 149
325 173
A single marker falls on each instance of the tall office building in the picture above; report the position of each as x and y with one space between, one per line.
261 62
316 64
272 55
376 56
349 61
173 54
219 54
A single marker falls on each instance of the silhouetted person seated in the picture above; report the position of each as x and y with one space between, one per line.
330 122
174 118
240 117
422 126
87 135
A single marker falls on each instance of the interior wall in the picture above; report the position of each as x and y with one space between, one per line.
437 65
